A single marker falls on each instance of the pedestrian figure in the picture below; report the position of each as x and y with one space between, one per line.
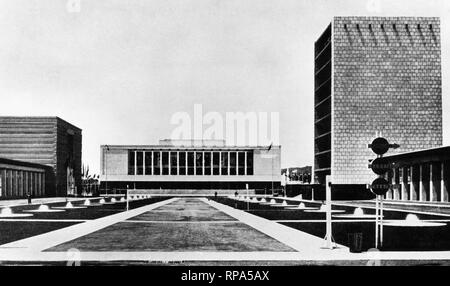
215 195
29 197
236 194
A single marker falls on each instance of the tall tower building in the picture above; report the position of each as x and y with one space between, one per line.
372 75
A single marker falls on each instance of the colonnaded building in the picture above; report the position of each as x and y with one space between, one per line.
190 165
421 175
375 74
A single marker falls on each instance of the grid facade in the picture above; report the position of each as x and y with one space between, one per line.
190 162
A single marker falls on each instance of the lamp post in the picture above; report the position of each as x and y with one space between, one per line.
271 171
135 170
329 231
272 174
248 198
128 200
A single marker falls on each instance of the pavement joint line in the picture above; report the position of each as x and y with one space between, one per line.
301 241
355 220
180 221
41 201
26 255
46 220
409 203
396 210
335 203
50 239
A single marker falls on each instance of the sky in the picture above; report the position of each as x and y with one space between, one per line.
119 70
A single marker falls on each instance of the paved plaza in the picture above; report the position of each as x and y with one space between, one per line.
178 230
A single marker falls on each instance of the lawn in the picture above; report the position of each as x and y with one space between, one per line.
12 229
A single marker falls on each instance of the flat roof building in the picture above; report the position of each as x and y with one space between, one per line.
48 141
374 74
189 165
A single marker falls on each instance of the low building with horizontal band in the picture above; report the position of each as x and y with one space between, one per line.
421 175
195 165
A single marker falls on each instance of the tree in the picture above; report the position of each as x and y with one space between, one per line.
89 182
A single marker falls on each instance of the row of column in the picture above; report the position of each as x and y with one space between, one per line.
428 182
17 183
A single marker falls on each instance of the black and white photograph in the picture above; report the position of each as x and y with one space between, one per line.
235 134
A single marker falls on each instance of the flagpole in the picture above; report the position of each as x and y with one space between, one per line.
106 169
272 175
271 171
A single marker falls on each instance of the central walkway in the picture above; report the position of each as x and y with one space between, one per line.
187 224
